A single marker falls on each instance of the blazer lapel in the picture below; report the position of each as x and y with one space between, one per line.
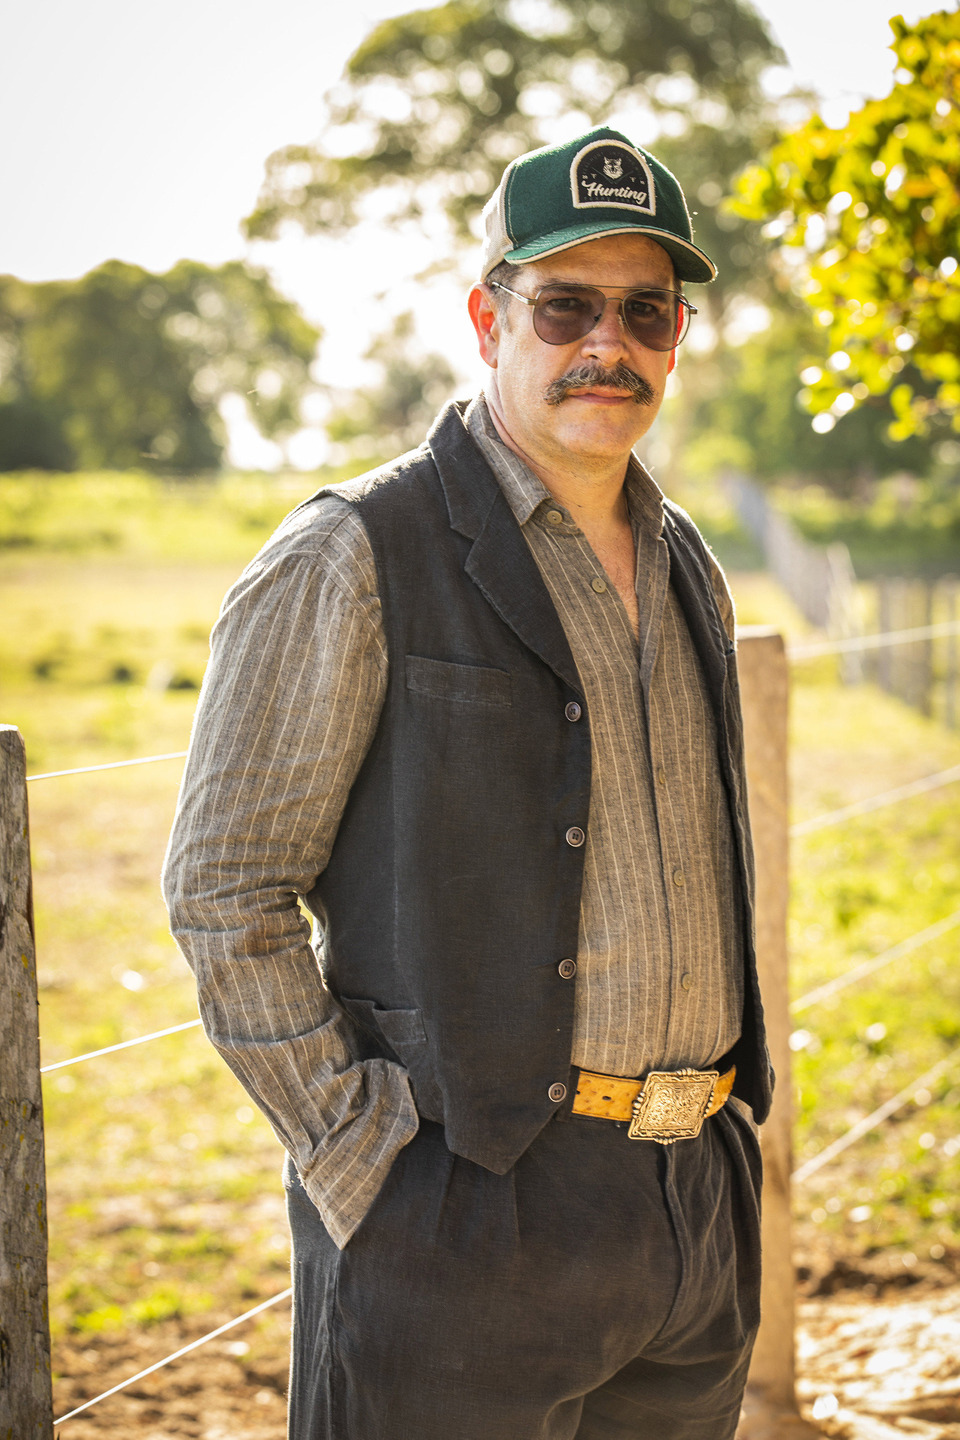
691 580
499 561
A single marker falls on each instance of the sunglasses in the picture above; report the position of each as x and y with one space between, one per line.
659 319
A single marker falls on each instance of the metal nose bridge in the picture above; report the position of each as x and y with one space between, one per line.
601 313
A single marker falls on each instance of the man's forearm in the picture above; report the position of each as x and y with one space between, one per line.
288 709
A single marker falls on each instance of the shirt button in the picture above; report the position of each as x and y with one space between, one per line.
567 969
572 710
686 980
554 517
599 585
678 878
575 836
557 1092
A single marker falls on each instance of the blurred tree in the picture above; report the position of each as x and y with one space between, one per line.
126 368
436 102
868 219
394 415
746 414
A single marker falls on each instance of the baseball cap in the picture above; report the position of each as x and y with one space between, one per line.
599 184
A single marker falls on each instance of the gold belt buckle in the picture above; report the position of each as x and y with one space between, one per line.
672 1105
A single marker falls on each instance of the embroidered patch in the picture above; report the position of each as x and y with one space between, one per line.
613 175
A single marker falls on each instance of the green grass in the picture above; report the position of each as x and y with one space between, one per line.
858 889
165 1202
141 517
163 1179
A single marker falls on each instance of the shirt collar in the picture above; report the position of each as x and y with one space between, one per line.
527 495
523 490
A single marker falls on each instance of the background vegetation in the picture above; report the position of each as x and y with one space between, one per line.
164 1197
125 368
165 1201
868 222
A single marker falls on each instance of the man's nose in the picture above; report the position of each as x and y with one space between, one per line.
607 338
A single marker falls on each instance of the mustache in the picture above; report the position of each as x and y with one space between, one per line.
592 374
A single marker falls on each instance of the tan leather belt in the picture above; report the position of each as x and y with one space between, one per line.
668 1105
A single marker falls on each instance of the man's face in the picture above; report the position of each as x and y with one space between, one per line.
595 421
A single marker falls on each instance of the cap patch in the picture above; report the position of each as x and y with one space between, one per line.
615 176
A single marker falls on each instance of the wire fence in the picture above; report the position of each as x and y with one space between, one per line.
923 785
121 1045
112 765
811 650
184 1350
871 1122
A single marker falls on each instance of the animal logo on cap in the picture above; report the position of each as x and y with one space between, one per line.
613 175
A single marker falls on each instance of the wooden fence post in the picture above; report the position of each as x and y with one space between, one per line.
26 1409
771 1409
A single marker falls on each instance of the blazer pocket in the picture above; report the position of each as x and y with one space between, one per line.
466 684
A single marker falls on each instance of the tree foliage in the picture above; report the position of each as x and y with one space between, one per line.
394 415
127 368
435 103
745 414
868 220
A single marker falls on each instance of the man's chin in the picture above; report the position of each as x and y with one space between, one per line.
603 431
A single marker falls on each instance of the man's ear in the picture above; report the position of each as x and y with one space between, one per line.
486 322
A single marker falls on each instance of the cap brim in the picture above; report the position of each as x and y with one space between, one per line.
689 263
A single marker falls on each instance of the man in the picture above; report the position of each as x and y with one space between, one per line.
478 710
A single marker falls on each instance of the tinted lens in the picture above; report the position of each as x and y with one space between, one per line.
565 313
651 317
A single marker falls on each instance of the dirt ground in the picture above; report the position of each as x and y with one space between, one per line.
882 1368
880 1361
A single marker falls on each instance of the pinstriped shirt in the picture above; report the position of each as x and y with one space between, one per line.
288 710
659 965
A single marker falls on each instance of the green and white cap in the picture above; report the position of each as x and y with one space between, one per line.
599 184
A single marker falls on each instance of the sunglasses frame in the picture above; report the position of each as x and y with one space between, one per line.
684 304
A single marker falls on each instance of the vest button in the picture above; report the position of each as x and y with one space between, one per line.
554 517
678 878
600 586
557 1092
567 969
572 710
575 836
686 980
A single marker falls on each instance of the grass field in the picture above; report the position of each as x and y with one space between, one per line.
165 1211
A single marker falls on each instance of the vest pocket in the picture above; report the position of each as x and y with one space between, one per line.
469 684
405 1037
398 1027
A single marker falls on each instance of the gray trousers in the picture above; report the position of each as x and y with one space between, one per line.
603 1289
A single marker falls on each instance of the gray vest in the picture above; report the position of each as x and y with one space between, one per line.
452 893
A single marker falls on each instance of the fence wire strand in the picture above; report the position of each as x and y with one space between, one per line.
877 1117
872 642
876 802
113 765
122 1045
185 1350
867 967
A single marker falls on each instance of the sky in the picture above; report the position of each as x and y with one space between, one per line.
139 131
